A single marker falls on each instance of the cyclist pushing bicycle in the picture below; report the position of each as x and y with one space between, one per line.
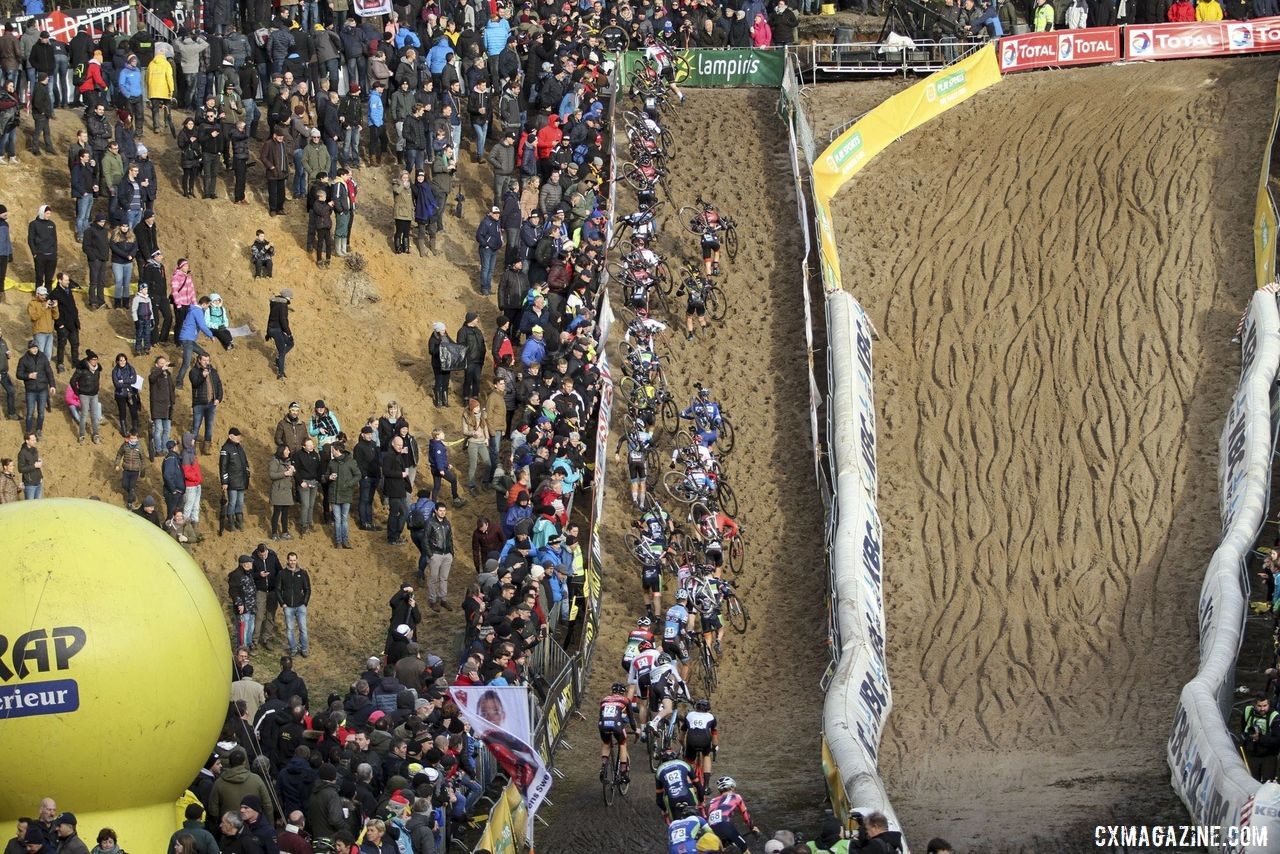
676 789
712 225
676 626
638 676
714 528
708 599
666 687
615 719
721 811
701 738
638 441
684 832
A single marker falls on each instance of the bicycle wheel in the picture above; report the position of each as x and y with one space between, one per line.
623 785
708 670
668 141
615 38
690 219
681 67
651 467
627 387
634 548
662 300
678 487
666 282
737 553
655 748
638 69
634 177
669 415
717 303
726 438
737 613
726 498
619 230
684 438
731 241
607 776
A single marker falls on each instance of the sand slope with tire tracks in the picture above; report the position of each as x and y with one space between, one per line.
731 147
1055 269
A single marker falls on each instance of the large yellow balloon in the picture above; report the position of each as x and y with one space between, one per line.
114 668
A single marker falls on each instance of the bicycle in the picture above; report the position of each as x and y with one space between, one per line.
707 664
612 782
665 737
693 218
736 553
735 610
639 123
645 177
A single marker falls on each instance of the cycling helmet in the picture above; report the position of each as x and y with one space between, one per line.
702 705
644 622
681 595
618 688
697 439
662 659
667 755
726 783
704 393
687 810
646 645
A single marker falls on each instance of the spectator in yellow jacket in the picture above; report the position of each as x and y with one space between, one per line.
160 91
1208 10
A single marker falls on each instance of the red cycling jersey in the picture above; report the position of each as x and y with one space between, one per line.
721 808
614 710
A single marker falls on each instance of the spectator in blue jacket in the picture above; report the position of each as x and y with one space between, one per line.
535 349
377 121
438 455
437 58
517 512
175 485
496 33
193 326
489 241
129 83
405 37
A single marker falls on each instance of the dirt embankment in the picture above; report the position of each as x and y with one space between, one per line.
1055 269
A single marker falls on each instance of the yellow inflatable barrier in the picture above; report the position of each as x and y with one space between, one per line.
115 668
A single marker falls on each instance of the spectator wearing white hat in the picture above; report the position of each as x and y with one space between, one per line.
489 241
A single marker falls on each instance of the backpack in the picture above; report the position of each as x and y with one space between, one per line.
544 251
79 73
417 519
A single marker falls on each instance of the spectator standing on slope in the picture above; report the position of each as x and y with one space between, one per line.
278 329
233 472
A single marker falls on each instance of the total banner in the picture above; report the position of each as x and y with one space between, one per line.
875 131
1063 47
1207 770
499 717
721 69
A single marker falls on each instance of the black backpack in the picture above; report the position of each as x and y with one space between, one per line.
417 519
544 251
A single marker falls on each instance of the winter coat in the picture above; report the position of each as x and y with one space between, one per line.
160 78
231 787
160 385
281 483
233 466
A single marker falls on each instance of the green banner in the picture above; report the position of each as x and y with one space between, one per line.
711 68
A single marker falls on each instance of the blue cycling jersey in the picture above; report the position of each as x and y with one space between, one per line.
677 618
683 833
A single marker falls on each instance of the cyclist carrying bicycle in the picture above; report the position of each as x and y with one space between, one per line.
721 811
705 415
615 719
714 528
663 59
684 832
675 631
638 681
644 330
712 225
644 224
701 739
637 636
708 599
676 787
639 441
694 289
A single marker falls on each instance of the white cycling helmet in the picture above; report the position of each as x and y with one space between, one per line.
726 783
682 595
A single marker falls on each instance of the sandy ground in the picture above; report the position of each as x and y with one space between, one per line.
832 105
354 352
769 701
1055 269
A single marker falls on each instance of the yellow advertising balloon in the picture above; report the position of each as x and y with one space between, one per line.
115 668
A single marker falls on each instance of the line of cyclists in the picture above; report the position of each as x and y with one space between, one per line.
655 704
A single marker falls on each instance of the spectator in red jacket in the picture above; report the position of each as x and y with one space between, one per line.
1182 11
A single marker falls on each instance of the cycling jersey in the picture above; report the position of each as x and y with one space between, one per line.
675 780
698 728
615 709
659 55
638 442
655 526
632 648
641 667
695 288
673 627
720 812
665 681
683 833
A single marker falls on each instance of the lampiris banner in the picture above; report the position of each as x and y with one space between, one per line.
713 68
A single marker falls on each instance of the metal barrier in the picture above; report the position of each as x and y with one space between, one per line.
871 58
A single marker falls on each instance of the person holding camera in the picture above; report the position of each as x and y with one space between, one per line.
1261 734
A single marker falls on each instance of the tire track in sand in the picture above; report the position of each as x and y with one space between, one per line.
1055 269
